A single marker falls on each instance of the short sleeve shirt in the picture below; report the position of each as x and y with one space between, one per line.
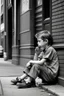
51 59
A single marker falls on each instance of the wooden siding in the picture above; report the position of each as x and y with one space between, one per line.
58 33
58 21
61 61
38 18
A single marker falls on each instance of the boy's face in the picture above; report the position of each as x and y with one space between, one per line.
41 43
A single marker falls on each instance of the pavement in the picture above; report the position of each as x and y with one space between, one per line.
8 71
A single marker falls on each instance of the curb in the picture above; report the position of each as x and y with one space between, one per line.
48 90
1 89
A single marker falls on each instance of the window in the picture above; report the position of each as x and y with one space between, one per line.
25 6
9 2
46 15
1 19
46 9
2 9
38 2
1 1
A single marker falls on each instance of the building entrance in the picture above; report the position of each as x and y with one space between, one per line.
10 33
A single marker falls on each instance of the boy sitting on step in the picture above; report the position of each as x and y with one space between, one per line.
45 64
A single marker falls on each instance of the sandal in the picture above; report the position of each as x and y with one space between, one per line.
15 81
25 85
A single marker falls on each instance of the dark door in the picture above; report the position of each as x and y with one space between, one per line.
10 33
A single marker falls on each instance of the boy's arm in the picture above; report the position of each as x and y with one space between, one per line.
41 62
35 56
36 53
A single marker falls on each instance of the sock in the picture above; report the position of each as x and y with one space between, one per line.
28 80
22 77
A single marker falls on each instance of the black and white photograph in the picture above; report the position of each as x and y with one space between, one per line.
31 47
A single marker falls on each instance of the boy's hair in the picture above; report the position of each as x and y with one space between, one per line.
45 34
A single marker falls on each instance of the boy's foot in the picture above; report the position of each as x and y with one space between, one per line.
25 85
15 81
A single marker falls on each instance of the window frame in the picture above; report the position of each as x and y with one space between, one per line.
49 19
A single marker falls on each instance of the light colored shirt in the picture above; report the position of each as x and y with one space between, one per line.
51 57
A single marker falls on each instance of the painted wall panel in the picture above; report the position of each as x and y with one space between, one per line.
25 21
25 38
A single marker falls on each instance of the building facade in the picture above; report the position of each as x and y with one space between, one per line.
1 22
23 19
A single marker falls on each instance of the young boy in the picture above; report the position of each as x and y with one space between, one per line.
45 64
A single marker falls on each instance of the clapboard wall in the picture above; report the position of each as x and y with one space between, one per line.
38 18
58 34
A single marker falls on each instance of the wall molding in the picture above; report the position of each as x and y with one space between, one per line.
25 12
26 56
23 56
25 31
15 55
58 46
23 45
61 80
27 46
15 46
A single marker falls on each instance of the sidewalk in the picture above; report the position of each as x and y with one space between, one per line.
1 89
9 71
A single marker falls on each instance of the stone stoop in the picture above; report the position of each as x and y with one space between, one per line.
56 90
1 89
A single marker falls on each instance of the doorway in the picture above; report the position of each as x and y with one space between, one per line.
10 33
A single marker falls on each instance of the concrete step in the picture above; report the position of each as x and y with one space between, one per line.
56 89
1 89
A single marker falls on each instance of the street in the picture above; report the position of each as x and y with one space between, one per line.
9 71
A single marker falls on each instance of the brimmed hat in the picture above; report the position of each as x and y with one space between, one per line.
44 33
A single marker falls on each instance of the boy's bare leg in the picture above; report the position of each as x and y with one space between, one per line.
22 77
18 79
